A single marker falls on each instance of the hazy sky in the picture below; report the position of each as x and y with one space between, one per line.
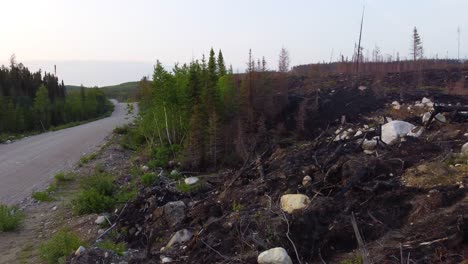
100 42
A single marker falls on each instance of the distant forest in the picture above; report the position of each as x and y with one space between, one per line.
36 101
122 92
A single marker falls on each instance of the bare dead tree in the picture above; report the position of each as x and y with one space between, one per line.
359 43
283 63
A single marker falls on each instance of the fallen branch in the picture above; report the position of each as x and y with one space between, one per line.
362 246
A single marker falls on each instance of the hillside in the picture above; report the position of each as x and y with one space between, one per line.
121 92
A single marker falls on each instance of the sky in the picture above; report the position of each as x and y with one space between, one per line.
104 42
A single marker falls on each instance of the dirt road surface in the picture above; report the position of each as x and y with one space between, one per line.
29 164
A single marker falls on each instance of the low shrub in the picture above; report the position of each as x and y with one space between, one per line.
58 247
121 130
42 196
186 188
10 218
97 195
149 179
91 201
64 177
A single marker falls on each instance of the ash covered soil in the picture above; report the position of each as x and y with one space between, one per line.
407 197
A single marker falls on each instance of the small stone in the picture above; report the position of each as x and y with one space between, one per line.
179 237
274 256
191 180
80 250
100 231
358 133
8 142
369 144
54 208
174 173
144 168
307 181
292 202
100 220
166 259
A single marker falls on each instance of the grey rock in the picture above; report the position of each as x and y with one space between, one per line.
174 212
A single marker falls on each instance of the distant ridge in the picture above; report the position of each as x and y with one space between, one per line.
122 92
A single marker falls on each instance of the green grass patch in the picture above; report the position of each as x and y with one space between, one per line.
118 248
44 196
121 130
63 177
58 247
87 158
10 218
149 179
186 188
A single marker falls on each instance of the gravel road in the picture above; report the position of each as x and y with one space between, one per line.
30 164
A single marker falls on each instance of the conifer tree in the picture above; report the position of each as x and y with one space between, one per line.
221 65
41 108
416 47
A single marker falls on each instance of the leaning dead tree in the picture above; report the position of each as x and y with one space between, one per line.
359 43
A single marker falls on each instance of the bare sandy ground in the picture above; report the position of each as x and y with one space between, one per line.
29 164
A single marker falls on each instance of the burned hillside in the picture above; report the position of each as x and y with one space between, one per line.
344 183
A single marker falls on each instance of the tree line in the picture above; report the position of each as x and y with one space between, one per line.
32 101
204 114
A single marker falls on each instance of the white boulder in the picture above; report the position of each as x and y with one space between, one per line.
464 149
362 88
394 130
179 237
100 220
426 100
396 105
166 259
292 202
439 117
274 256
358 133
416 132
191 180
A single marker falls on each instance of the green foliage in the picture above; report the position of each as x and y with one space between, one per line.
121 130
132 139
87 158
149 179
118 248
161 155
42 196
10 218
36 102
58 247
186 188
63 177
97 195
41 108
